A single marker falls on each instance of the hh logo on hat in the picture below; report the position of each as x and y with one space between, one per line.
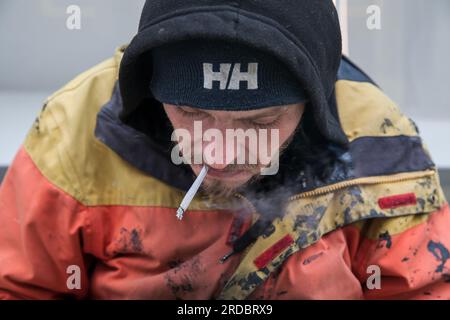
230 80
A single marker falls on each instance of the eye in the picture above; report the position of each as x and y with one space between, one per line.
192 114
265 123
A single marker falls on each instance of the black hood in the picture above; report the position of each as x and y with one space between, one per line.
305 35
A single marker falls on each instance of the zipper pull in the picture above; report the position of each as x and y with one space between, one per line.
225 257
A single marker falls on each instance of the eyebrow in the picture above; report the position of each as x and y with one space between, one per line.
274 112
269 113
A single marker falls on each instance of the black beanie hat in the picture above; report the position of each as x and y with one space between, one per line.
219 75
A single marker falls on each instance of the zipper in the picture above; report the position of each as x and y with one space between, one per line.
248 202
366 180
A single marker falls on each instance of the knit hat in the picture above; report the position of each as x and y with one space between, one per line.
219 75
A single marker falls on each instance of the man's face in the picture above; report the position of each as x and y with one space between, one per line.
226 173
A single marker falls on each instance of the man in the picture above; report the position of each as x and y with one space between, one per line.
353 209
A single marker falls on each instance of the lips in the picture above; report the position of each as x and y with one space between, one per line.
226 174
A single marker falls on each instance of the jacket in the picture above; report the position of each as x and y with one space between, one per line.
74 200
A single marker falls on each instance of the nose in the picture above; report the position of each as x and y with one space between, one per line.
218 153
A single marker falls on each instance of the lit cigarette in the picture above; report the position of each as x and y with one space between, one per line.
191 193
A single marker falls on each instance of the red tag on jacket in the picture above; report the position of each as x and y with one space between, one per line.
262 260
396 201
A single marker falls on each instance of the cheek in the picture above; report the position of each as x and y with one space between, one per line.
181 123
288 127
178 121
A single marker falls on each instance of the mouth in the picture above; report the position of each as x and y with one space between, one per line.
229 175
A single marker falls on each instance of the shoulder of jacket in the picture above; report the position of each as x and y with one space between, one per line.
375 205
63 145
66 122
364 110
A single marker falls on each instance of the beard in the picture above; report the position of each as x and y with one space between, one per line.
219 189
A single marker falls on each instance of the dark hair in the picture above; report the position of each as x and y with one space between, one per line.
313 149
